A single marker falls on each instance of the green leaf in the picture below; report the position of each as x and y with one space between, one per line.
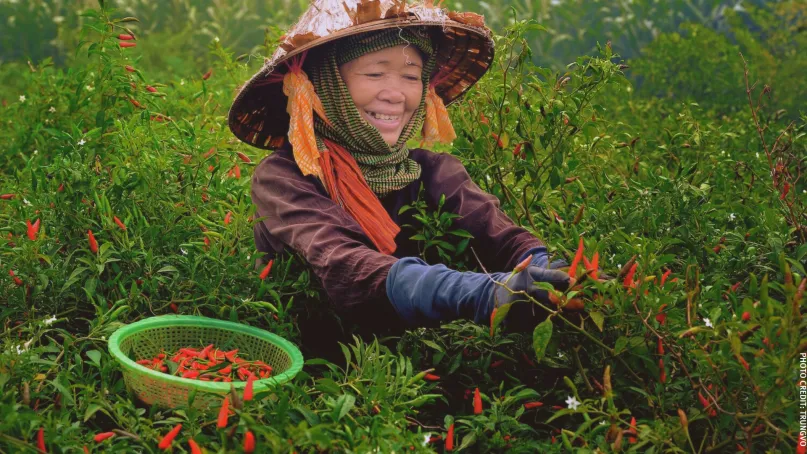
95 357
598 318
344 404
541 337
501 313
468 440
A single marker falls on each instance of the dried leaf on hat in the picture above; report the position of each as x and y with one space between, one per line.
298 40
368 11
398 9
476 20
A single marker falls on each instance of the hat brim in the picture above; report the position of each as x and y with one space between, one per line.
464 53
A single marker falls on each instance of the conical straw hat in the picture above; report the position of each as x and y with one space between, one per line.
463 43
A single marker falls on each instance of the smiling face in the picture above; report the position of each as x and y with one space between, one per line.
386 87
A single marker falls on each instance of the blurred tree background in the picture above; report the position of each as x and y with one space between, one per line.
686 50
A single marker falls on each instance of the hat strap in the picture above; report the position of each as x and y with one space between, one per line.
437 126
303 102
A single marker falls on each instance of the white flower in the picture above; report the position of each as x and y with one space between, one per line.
58 19
183 251
426 439
25 201
22 98
36 151
103 338
757 155
216 39
49 321
707 322
81 142
572 402
182 82
739 7
723 152
89 88
52 109
21 350
602 423
560 354
732 216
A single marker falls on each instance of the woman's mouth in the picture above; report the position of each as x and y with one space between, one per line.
383 121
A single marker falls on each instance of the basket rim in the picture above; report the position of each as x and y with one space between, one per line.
194 320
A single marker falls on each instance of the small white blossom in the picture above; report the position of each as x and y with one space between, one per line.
21 350
216 39
49 321
89 88
426 439
22 98
81 142
560 354
103 338
182 82
52 109
25 201
757 155
183 251
36 151
58 19
572 402
707 322
723 152
602 423
732 216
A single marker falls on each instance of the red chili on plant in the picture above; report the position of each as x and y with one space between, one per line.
221 422
431 377
166 441
103 436
127 44
195 449
125 37
119 222
40 440
249 442
450 438
577 257
267 269
93 243
477 402
17 280
33 229
534 404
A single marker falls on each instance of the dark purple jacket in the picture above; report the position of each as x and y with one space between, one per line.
300 215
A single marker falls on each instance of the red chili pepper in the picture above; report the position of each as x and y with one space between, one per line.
103 436
477 402
243 157
450 438
165 443
557 407
93 243
237 171
7 196
209 153
86 450
593 266
40 440
248 387
785 190
124 37
632 437
223 413
151 89
499 142
127 44
577 257
207 75
483 119
249 442
746 316
228 218
527 359
628 281
534 404
129 68
431 377
496 364
660 347
119 222
134 102
517 150
663 375
665 276
736 286
267 269
17 280
524 263
194 447
744 363
33 229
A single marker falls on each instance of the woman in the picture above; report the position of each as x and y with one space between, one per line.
358 82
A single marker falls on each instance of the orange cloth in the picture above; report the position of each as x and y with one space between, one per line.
437 126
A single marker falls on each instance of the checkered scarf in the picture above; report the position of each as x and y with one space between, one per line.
385 168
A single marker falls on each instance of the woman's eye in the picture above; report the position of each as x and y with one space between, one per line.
374 75
412 78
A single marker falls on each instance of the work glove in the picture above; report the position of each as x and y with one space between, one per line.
426 295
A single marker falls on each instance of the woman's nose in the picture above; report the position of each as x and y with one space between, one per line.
392 96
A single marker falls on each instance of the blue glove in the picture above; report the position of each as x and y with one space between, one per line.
425 295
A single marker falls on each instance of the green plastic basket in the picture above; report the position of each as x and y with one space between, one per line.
168 333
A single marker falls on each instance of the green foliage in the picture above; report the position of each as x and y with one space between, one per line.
677 185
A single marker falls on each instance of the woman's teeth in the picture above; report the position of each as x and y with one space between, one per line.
383 117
